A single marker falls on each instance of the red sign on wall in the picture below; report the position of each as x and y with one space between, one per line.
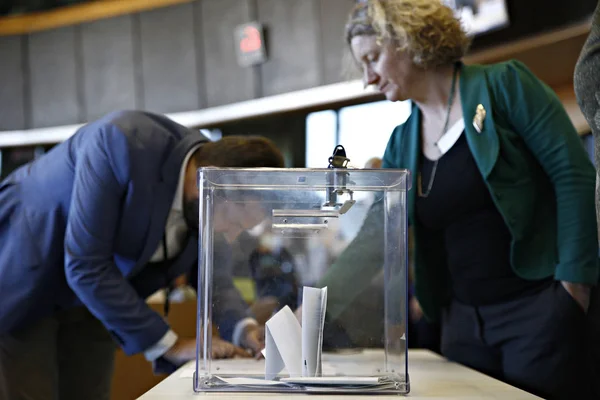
250 44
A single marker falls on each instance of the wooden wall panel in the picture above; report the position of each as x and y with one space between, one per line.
224 80
293 39
169 60
54 78
108 66
12 83
333 17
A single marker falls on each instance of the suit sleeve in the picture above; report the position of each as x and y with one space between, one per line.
229 308
537 114
100 185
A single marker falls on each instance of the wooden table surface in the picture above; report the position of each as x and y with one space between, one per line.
431 377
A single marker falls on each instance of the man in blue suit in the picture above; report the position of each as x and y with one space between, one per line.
87 233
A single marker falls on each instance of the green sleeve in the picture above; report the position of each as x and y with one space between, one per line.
391 156
537 115
354 269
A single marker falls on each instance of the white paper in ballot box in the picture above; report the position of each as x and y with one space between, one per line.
294 347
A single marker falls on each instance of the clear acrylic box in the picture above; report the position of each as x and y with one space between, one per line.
344 228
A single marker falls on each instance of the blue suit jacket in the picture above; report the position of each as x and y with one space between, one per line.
79 225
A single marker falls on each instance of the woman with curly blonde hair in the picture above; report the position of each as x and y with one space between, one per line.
502 205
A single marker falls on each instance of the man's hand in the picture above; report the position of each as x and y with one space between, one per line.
580 292
253 338
224 349
184 350
263 308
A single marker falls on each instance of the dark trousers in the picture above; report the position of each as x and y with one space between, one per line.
68 356
423 334
543 343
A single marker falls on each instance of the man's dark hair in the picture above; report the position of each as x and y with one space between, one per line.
240 152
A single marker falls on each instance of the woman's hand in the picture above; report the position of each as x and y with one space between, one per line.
579 292
415 311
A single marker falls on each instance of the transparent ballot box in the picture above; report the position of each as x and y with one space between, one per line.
312 261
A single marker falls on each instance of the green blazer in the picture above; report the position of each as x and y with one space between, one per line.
538 174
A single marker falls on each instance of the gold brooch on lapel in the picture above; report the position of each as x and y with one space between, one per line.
478 118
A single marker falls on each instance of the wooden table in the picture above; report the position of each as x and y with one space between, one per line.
431 377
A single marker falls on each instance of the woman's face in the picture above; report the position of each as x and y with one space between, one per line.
389 70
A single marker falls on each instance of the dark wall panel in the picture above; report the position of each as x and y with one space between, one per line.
167 60
293 45
108 69
225 81
287 131
169 64
333 17
54 77
12 101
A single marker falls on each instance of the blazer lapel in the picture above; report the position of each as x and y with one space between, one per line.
185 259
484 145
476 102
411 147
163 197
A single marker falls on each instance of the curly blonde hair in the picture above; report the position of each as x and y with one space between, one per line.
426 29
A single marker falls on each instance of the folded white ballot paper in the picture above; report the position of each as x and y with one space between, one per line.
294 347
282 344
315 302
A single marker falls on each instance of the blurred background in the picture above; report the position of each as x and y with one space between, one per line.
65 62
269 67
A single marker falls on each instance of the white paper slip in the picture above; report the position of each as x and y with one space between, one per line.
242 367
282 344
314 307
293 347
333 380
238 366
251 381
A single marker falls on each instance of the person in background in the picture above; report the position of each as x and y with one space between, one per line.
587 90
87 232
373 163
502 202
273 271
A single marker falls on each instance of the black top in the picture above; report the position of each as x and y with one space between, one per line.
476 240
